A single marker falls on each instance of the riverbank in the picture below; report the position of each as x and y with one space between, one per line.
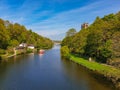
110 73
18 52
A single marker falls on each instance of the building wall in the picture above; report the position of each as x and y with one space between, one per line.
84 26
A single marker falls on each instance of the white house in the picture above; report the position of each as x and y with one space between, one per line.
23 45
31 46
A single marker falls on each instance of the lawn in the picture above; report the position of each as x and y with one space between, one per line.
101 68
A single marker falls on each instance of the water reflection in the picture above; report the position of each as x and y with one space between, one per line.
46 72
82 77
31 56
56 46
41 55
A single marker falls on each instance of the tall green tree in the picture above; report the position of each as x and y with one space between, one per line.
70 32
11 35
100 40
4 36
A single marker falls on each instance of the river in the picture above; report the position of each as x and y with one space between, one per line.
47 72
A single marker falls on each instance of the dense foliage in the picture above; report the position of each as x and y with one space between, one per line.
101 40
65 52
11 35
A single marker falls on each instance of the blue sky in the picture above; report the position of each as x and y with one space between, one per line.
52 18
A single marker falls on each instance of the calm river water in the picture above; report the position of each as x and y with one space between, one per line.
46 72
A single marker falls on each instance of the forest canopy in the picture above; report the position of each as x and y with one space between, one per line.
101 40
11 35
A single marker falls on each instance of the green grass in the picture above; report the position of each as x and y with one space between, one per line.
100 68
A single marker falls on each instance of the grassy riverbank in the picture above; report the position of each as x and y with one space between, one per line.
111 73
18 52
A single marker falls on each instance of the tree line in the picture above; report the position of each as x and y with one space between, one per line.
11 35
101 40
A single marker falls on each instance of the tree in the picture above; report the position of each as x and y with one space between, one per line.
65 52
13 34
100 40
4 37
70 32
116 45
13 43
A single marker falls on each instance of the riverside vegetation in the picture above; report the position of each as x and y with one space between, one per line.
11 35
99 43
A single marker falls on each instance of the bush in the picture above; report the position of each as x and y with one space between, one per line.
65 52
0 58
10 50
29 50
2 51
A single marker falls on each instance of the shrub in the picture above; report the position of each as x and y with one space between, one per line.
65 52
2 51
29 50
